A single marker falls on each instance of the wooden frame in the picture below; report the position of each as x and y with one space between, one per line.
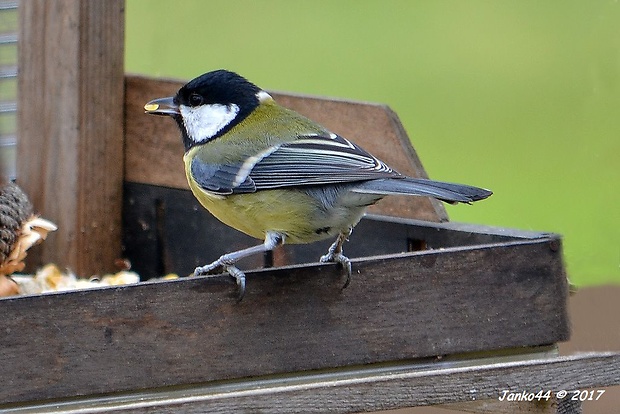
70 140
398 307
374 388
425 295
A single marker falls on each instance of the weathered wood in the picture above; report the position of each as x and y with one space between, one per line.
292 319
569 406
364 389
70 126
165 230
154 149
503 407
552 406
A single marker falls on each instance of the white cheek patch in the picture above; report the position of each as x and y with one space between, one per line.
205 121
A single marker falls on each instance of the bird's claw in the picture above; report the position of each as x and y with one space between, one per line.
219 267
344 261
210 269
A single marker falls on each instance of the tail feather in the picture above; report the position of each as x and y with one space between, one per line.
448 192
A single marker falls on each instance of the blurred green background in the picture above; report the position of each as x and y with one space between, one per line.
520 97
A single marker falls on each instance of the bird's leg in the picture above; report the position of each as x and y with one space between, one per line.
227 261
334 254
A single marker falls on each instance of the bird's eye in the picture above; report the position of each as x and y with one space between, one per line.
195 99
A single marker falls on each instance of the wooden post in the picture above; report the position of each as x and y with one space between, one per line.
70 127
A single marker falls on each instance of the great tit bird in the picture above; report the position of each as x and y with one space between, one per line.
276 175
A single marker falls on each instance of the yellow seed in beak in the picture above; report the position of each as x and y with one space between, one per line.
151 107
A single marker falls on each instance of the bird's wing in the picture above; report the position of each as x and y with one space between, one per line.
309 160
316 160
219 179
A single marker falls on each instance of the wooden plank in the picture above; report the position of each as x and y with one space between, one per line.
70 125
154 149
503 407
165 230
368 388
292 319
554 406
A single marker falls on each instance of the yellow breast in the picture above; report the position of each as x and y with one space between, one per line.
288 212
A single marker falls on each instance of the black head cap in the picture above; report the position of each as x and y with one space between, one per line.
217 87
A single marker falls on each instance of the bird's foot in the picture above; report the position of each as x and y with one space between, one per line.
332 257
221 265
214 268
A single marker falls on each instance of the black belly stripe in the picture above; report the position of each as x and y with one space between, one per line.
322 230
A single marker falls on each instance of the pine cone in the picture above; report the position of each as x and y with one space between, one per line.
19 228
15 209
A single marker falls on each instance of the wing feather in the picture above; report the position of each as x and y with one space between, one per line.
316 160
309 160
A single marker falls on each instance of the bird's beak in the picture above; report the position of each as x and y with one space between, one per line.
162 106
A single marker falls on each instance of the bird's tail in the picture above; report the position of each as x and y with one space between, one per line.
448 192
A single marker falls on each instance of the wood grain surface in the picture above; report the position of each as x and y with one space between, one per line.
412 305
70 126
468 385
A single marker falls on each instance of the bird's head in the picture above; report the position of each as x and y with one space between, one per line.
209 105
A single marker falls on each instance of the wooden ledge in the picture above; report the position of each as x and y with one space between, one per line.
463 384
296 318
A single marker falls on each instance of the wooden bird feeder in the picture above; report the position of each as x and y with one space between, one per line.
436 312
